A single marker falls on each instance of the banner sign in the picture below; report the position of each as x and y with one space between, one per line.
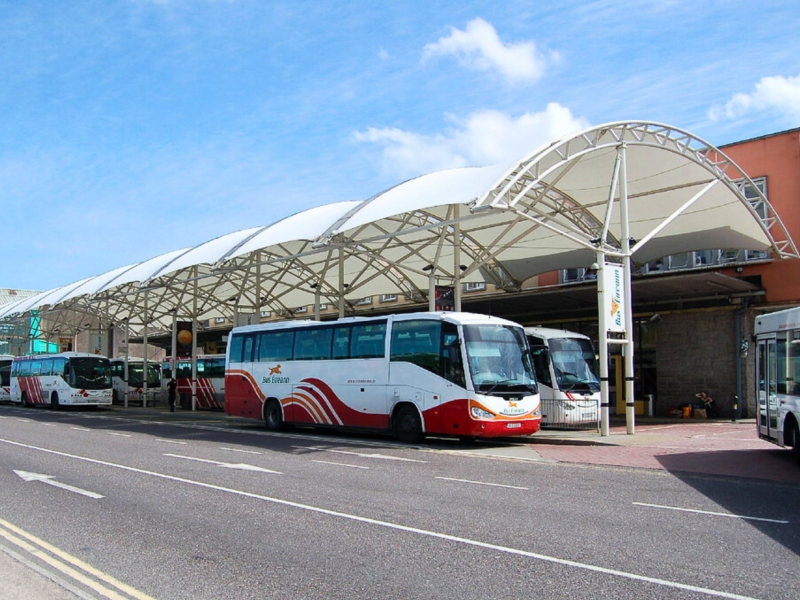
445 298
613 277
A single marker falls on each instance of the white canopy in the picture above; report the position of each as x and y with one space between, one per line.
553 209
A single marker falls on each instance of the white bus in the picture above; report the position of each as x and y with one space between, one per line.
210 383
441 373
136 380
568 377
5 377
778 378
65 379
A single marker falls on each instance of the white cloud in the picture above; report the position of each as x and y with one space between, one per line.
479 47
777 94
483 138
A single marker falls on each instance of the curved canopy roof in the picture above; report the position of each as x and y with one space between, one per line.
553 209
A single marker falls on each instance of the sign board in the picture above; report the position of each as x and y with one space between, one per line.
246 319
613 284
445 298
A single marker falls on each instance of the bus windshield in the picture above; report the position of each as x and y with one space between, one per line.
90 373
135 375
574 364
5 372
499 359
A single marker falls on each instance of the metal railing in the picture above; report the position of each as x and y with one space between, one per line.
583 414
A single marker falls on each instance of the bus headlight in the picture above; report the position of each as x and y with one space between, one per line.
479 413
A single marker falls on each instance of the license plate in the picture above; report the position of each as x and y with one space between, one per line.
513 425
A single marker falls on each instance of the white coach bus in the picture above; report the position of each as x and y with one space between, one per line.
413 374
136 380
778 378
65 379
5 377
568 377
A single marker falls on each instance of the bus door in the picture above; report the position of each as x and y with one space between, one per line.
767 378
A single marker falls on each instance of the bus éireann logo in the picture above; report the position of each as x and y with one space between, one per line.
274 376
614 308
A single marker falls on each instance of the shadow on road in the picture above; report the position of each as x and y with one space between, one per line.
754 483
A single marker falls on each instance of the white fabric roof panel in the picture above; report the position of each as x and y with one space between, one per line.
505 216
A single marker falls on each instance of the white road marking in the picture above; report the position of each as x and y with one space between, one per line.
325 462
119 434
708 512
239 466
404 528
361 454
242 451
80 429
50 480
172 442
513 487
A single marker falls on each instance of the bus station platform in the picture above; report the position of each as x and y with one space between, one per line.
717 447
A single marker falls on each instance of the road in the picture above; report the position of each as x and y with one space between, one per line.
126 507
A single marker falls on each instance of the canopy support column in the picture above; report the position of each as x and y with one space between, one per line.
602 340
341 282
127 360
194 346
456 259
627 299
172 359
146 321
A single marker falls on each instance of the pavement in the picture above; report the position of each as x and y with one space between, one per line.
683 447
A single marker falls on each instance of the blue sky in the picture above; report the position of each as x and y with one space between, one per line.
129 128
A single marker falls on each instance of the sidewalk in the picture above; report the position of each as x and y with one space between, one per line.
712 447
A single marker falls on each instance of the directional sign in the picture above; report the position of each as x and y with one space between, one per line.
50 480
240 466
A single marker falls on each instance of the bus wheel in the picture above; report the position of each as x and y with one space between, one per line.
796 442
273 417
54 404
408 425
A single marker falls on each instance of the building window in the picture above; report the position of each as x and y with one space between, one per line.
364 301
474 287
266 313
751 192
388 298
219 320
582 274
300 310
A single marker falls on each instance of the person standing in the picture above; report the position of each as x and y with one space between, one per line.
172 387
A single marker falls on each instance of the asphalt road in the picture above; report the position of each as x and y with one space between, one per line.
125 507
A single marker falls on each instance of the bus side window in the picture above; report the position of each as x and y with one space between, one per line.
368 341
341 342
47 366
235 353
452 365
275 345
541 360
58 366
